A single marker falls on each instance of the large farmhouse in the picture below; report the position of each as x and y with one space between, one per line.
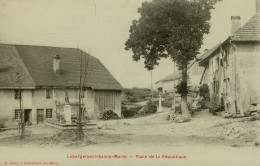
49 79
232 68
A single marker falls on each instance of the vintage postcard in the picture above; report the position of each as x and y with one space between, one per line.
129 82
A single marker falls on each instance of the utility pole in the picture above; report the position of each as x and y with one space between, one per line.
152 84
174 95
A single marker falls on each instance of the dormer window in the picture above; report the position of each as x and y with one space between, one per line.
56 64
49 93
16 94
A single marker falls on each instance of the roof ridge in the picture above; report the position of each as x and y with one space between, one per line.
250 21
32 45
62 47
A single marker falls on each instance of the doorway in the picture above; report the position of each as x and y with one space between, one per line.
40 116
27 115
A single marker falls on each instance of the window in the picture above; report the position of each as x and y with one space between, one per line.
211 67
216 87
226 56
16 94
217 64
17 114
83 93
49 94
48 113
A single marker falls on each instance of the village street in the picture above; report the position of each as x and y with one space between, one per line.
204 139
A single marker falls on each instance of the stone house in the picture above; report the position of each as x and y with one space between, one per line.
48 75
231 68
194 71
166 85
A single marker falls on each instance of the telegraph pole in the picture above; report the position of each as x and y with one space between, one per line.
79 123
152 84
174 95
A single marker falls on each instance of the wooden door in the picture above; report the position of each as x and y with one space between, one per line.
40 116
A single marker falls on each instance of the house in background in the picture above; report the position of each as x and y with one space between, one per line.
166 84
232 68
48 75
194 71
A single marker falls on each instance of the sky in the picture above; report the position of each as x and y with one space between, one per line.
101 27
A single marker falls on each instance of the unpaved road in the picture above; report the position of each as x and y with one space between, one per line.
204 128
206 140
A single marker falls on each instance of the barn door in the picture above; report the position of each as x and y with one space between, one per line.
40 116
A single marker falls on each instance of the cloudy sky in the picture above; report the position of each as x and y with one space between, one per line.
101 27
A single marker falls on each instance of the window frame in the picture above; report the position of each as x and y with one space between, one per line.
16 94
47 114
49 93
17 112
217 63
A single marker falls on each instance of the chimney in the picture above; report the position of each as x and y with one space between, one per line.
257 6
235 24
56 64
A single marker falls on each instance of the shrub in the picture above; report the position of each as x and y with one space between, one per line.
167 103
150 108
108 115
2 125
204 93
131 112
132 99
2 122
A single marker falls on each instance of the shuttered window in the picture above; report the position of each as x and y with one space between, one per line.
48 113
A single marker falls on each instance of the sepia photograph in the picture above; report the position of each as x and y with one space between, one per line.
129 82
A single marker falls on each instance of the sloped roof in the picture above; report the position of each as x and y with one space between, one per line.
38 63
250 31
176 75
208 54
173 76
12 67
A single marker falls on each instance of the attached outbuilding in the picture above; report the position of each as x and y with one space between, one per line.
49 79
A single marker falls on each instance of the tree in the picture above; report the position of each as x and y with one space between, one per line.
82 84
129 94
21 124
170 29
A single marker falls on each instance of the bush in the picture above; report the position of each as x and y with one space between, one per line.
132 99
131 112
28 123
108 115
204 93
2 125
167 103
2 122
150 108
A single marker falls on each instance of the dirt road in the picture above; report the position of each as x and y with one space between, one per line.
205 140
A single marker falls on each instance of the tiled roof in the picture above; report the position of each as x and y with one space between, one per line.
250 31
208 54
12 67
173 76
176 75
38 63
